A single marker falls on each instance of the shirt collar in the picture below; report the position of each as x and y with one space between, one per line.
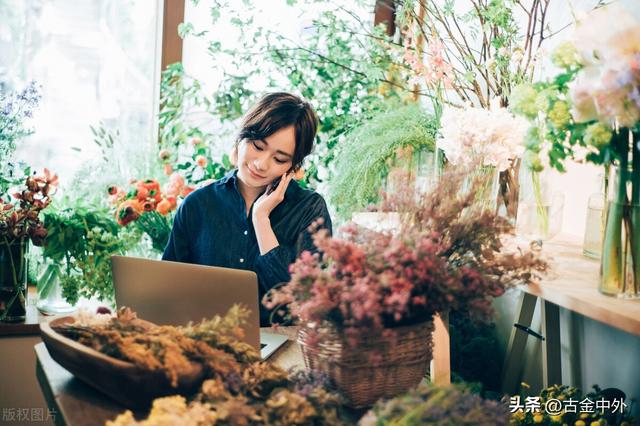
230 176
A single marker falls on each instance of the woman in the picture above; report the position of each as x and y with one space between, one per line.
256 217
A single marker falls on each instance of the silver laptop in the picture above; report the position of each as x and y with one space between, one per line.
175 293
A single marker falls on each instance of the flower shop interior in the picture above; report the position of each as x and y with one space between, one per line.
478 262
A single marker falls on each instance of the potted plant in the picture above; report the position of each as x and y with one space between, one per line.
366 303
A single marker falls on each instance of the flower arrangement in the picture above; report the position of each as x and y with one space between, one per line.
495 136
238 387
447 405
20 223
590 111
448 255
149 207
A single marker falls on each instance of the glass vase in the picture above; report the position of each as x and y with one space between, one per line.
594 226
487 192
50 299
539 207
620 261
13 280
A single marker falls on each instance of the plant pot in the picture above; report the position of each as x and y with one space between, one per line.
377 366
13 280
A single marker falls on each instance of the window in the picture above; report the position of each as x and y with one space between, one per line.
96 60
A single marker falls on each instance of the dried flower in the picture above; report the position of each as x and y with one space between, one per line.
447 255
19 221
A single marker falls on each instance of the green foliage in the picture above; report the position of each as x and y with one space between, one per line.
184 140
82 240
363 160
475 351
342 65
438 406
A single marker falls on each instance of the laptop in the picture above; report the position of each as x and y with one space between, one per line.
174 293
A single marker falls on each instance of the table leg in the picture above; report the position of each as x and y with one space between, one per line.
441 363
517 341
551 356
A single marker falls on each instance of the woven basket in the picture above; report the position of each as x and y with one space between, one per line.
376 367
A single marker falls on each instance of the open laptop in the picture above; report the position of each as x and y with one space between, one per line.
175 293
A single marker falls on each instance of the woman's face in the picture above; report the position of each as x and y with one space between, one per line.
260 162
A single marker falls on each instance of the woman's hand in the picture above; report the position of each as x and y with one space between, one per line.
263 206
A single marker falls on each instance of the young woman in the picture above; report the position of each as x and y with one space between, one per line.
256 217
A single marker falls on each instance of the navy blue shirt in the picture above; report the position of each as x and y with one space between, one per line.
211 227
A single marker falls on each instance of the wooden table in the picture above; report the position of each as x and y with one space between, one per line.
73 402
572 283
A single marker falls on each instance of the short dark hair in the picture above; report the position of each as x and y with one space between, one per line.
278 110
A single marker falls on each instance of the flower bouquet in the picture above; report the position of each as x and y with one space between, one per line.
591 111
366 302
20 223
494 138
149 207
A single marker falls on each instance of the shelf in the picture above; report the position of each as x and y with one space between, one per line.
572 283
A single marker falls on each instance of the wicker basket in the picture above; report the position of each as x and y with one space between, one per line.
377 366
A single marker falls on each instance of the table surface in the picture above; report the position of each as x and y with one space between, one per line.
76 403
572 283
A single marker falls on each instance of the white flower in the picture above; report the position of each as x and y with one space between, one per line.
608 33
495 136
606 89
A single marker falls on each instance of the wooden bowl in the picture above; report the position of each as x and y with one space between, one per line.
123 381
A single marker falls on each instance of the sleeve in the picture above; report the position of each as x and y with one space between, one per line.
178 248
273 266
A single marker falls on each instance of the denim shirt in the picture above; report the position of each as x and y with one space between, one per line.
211 227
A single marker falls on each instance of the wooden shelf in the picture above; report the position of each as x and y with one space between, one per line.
572 283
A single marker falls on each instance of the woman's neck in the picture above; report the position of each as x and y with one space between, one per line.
249 194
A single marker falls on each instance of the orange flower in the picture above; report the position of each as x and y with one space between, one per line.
112 190
168 169
164 207
195 141
164 154
173 201
186 190
201 161
129 211
149 205
150 184
142 193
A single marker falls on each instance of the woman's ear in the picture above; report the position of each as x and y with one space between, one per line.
233 158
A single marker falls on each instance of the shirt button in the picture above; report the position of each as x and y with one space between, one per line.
241 260
246 232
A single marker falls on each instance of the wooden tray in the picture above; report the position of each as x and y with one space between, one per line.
123 381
